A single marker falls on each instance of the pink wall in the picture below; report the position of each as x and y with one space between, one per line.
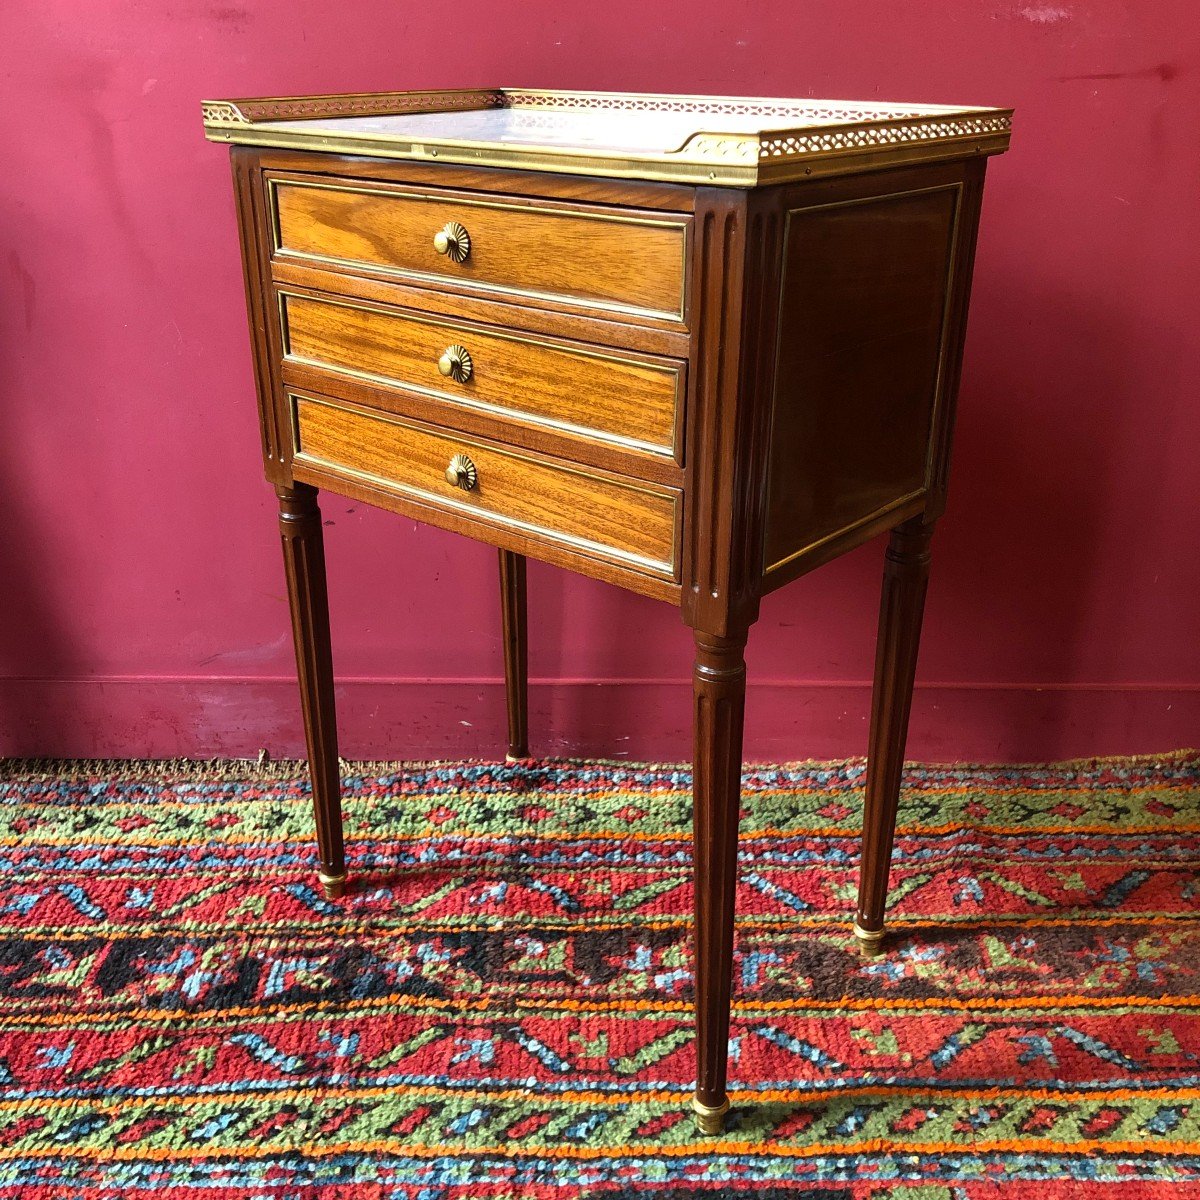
142 598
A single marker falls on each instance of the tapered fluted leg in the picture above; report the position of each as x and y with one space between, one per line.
905 575
516 651
304 562
719 693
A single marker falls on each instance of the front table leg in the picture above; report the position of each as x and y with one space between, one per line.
719 695
905 576
304 562
514 632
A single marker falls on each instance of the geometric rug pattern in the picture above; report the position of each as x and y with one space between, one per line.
500 1006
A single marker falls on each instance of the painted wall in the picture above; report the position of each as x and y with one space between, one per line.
141 594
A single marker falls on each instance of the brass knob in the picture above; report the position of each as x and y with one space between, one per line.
453 240
456 363
461 473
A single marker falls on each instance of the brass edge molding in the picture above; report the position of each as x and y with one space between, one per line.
285 333
490 154
666 570
777 106
222 112
832 133
742 172
347 104
801 110
870 134
871 158
681 222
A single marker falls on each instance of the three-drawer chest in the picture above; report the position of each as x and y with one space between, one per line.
691 346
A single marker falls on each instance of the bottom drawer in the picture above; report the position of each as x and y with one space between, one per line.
572 508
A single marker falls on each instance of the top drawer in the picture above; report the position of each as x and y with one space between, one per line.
623 260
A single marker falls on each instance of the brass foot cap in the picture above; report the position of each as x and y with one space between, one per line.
870 941
710 1120
512 760
334 886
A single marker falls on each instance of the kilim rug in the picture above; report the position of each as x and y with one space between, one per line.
501 1006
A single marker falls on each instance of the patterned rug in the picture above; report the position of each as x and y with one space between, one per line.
501 1006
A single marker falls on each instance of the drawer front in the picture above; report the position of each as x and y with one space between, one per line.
601 516
628 399
614 259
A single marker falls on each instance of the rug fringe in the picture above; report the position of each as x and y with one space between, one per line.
231 769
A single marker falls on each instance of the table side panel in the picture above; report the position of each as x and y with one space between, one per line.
865 334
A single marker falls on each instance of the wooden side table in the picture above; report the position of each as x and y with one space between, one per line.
691 346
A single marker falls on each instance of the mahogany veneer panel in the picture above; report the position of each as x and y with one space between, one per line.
610 395
862 322
603 257
595 514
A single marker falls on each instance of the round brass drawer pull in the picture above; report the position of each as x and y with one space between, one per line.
456 363
462 473
453 240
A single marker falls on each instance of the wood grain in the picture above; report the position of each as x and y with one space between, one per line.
618 258
970 206
588 513
514 625
255 244
735 268
553 441
905 579
304 565
719 695
438 298
867 276
621 397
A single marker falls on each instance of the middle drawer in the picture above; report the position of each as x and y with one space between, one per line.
620 397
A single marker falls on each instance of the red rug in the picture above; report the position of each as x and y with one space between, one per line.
501 1005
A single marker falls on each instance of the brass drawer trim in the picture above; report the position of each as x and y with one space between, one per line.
682 223
676 368
665 569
